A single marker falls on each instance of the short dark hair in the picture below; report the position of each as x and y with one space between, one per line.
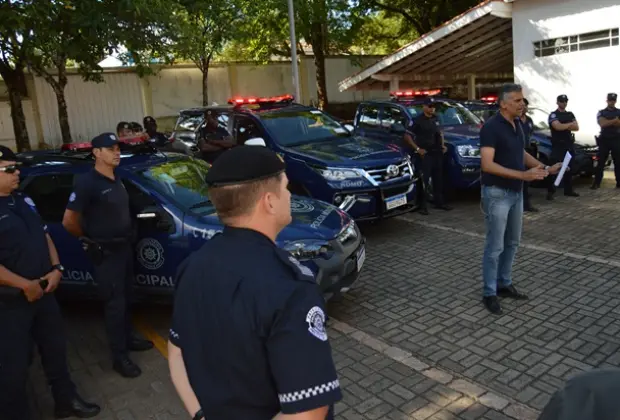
507 89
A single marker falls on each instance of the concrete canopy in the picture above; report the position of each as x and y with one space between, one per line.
475 46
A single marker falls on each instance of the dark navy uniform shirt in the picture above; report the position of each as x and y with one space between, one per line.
609 114
250 320
528 129
425 132
104 205
206 134
509 145
23 244
561 139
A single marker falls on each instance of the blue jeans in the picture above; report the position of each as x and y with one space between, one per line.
503 217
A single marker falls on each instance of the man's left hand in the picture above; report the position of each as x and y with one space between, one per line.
53 279
444 148
555 168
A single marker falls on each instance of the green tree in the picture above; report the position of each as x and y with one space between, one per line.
204 27
382 35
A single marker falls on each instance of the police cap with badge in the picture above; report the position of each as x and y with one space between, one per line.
562 98
104 140
612 97
7 155
244 164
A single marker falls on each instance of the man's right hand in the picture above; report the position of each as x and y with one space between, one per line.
33 290
421 151
535 174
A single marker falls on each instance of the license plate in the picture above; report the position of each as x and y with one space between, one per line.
361 257
396 201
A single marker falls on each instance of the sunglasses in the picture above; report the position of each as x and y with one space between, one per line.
11 169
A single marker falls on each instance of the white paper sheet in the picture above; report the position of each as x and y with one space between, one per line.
567 158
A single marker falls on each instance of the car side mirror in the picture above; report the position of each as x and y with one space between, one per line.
256 141
349 127
397 129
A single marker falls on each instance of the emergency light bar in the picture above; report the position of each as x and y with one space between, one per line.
83 147
413 93
489 99
261 100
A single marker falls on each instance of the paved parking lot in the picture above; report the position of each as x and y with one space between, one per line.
412 339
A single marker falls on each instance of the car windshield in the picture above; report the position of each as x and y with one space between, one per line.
295 127
448 113
189 122
182 181
539 117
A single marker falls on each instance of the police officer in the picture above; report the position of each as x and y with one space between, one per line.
425 141
562 124
30 271
609 140
98 213
123 129
248 341
528 128
213 140
150 125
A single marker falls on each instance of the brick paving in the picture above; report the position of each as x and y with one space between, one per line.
411 339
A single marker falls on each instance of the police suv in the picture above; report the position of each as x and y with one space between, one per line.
324 159
174 217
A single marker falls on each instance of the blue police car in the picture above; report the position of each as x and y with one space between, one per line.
324 159
386 120
175 217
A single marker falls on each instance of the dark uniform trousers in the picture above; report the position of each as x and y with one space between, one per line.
607 144
557 155
430 166
20 321
114 277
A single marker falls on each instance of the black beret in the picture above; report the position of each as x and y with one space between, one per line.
7 154
243 164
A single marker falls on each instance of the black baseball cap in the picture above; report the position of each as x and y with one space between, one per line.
7 154
244 164
104 140
612 96
429 102
148 120
135 126
562 98
121 125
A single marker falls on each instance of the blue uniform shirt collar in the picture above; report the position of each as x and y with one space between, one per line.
246 233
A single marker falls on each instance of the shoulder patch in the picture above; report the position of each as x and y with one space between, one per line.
29 201
304 270
552 115
72 197
316 323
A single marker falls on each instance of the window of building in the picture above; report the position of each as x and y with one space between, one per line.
581 42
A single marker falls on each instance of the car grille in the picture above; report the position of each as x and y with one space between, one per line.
590 150
381 174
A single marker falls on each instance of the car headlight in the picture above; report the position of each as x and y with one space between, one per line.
339 174
348 232
468 151
307 249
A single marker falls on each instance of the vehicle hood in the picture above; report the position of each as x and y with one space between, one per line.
580 138
313 219
465 134
348 151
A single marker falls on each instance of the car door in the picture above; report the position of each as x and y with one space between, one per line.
50 193
161 245
393 121
368 123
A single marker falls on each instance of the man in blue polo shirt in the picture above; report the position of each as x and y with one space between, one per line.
504 163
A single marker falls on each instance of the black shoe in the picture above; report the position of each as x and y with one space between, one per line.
511 292
595 186
492 304
443 207
76 408
127 368
138 344
571 194
530 209
550 196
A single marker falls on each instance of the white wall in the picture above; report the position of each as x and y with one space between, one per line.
585 76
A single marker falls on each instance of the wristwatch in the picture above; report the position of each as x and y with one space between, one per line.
58 267
199 415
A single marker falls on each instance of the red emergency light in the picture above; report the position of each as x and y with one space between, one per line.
260 100
412 93
82 147
489 99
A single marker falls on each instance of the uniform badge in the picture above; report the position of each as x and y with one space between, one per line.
304 270
316 323
553 115
72 197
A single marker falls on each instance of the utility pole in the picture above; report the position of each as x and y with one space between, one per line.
291 23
